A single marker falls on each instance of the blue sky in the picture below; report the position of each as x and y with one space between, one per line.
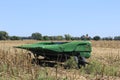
59 17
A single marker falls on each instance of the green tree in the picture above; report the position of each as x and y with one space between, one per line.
52 37
96 38
59 37
15 38
117 38
83 37
67 37
46 38
3 35
107 38
36 36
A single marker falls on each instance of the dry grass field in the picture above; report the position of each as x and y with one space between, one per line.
15 64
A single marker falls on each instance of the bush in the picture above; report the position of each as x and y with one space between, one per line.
71 63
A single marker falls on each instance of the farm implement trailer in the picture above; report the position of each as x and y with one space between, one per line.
81 50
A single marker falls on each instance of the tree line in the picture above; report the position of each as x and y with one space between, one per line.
38 36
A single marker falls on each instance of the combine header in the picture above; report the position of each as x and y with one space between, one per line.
54 50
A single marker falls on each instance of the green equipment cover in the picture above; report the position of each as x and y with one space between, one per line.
73 48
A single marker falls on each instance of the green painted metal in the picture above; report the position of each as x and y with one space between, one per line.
73 48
